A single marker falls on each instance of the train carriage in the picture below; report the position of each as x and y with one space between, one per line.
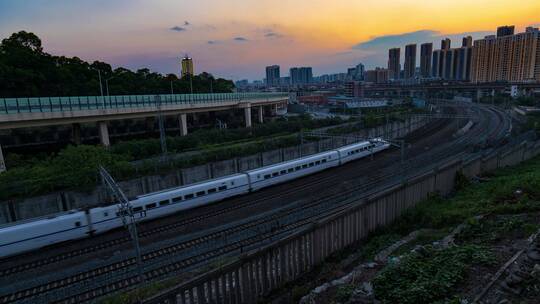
38 233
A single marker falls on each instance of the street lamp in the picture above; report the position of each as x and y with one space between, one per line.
112 77
107 84
100 86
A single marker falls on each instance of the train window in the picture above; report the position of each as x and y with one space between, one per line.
137 209
164 203
77 224
311 164
275 174
222 188
177 199
267 176
291 170
201 193
318 162
323 161
283 172
304 166
151 206
105 213
189 196
297 168
122 213
232 183
213 190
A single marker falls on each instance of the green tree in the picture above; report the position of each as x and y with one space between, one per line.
27 71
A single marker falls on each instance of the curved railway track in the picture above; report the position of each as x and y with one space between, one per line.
244 201
319 207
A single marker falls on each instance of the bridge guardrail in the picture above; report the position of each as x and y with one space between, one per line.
82 103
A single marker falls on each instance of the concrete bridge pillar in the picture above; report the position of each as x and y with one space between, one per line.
104 134
76 133
479 94
247 115
182 120
261 114
2 162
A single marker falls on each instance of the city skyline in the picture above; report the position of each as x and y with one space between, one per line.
251 36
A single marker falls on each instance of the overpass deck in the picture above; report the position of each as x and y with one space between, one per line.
40 111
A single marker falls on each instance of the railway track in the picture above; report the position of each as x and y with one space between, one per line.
19 268
121 284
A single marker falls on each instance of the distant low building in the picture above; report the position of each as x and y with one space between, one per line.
378 76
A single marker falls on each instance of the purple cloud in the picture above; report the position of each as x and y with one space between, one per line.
177 29
240 39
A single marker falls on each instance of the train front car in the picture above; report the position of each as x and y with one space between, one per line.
362 149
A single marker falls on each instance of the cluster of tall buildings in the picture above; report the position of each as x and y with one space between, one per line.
504 57
507 56
298 76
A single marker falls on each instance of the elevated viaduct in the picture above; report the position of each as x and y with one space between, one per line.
438 89
49 111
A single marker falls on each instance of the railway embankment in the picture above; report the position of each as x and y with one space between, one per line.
479 244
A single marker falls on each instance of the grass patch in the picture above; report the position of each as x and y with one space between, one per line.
431 277
426 278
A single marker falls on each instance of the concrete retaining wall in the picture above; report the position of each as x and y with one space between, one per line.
64 201
254 275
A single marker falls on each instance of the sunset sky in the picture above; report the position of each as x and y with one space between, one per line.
238 38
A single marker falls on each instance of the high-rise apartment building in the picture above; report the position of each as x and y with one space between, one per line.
360 69
426 55
410 61
512 58
507 30
272 76
394 63
300 76
452 64
187 66
446 44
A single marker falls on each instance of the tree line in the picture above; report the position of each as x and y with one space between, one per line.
27 71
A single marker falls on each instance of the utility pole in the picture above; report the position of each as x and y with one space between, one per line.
101 87
162 135
126 212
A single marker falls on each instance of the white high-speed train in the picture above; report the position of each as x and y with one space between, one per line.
22 237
